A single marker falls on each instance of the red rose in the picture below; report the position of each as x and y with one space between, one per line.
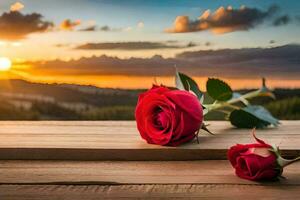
168 117
255 161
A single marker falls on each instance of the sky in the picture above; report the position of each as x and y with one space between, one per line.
111 40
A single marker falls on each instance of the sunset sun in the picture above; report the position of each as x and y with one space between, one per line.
5 64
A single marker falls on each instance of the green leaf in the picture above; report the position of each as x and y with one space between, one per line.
184 82
252 116
218 89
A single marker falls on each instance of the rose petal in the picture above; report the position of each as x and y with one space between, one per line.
261 151
154 90
187 102
240 149
253 167
163 118
267 174
181 140
144 111
168 117
241 168
154 134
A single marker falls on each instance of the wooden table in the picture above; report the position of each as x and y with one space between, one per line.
107 159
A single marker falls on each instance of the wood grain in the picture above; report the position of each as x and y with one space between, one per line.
96 192
130 172
96 160
119 140
91 180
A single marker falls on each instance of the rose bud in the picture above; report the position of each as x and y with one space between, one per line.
168 117
257 161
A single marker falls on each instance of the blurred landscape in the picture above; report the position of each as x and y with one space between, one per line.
89 60
22 100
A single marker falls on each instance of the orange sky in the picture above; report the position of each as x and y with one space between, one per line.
146 38
138 82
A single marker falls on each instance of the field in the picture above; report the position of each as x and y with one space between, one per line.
22 100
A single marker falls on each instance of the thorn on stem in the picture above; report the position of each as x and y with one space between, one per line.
204 127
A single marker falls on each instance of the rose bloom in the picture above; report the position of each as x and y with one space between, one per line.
255 161
168 117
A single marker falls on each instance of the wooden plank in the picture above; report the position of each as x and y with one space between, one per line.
96 192
130 172
119 140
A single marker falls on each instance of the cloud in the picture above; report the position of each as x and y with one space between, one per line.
16 7
282 20
69 25
127 29
105 65
62 45
272 41
105 28
132 46
89 28
16 26
276 61
191 44
11 43
208 44
223 20
281 61
140 25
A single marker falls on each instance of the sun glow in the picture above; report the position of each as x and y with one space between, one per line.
5 64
